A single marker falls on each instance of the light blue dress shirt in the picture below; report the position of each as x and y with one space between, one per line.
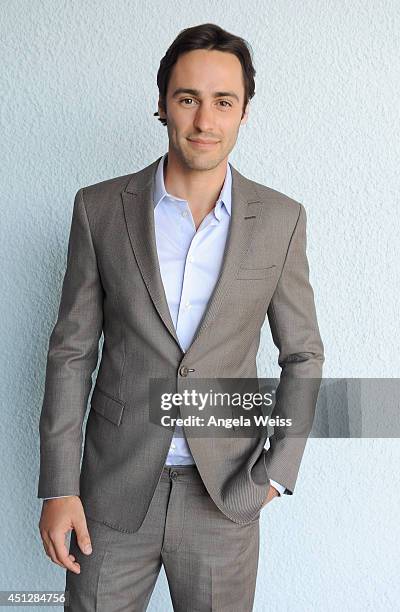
190 263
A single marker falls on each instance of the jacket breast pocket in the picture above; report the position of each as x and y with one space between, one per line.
256 273
107 406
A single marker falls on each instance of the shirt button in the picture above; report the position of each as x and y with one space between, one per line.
184 371
191 258
174 475
185 213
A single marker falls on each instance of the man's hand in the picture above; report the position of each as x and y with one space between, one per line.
272 492
58 517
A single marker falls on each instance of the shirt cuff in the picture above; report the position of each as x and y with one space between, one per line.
57 496
280 488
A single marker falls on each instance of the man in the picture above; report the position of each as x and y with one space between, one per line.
178 265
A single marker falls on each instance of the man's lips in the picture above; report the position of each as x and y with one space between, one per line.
202 143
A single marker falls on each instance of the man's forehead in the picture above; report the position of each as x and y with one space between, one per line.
223 61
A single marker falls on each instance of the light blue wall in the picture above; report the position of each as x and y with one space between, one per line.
78 86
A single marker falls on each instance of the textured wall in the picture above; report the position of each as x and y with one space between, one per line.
78 94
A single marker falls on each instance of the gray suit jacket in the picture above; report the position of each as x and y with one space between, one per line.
113 285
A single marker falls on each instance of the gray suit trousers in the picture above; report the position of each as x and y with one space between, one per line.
210 561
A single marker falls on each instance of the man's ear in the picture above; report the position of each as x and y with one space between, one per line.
243 121
161 112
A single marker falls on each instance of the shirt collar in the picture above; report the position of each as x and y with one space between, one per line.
225 196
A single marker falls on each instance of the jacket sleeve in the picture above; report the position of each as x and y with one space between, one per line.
293 322
71 359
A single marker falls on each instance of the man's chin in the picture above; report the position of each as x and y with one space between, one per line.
203 165
201 161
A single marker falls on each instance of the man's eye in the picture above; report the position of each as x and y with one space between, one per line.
185 100
226 102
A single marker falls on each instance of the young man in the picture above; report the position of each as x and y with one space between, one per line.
178 265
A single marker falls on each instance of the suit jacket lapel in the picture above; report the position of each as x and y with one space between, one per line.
245 209
139 217
138 207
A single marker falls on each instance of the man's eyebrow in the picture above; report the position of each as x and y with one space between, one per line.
197 92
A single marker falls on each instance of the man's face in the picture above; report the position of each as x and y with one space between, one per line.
200 114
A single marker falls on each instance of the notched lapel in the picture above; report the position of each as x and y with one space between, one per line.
245 210
139 217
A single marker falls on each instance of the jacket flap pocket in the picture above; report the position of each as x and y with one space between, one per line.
256 273
108 406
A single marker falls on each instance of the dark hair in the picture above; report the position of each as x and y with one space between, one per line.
206 36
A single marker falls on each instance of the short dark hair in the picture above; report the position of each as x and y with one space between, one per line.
206 36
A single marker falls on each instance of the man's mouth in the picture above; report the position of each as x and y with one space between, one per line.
202 144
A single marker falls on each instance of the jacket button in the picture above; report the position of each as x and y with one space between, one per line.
183 371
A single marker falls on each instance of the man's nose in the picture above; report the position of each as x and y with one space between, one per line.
204 121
